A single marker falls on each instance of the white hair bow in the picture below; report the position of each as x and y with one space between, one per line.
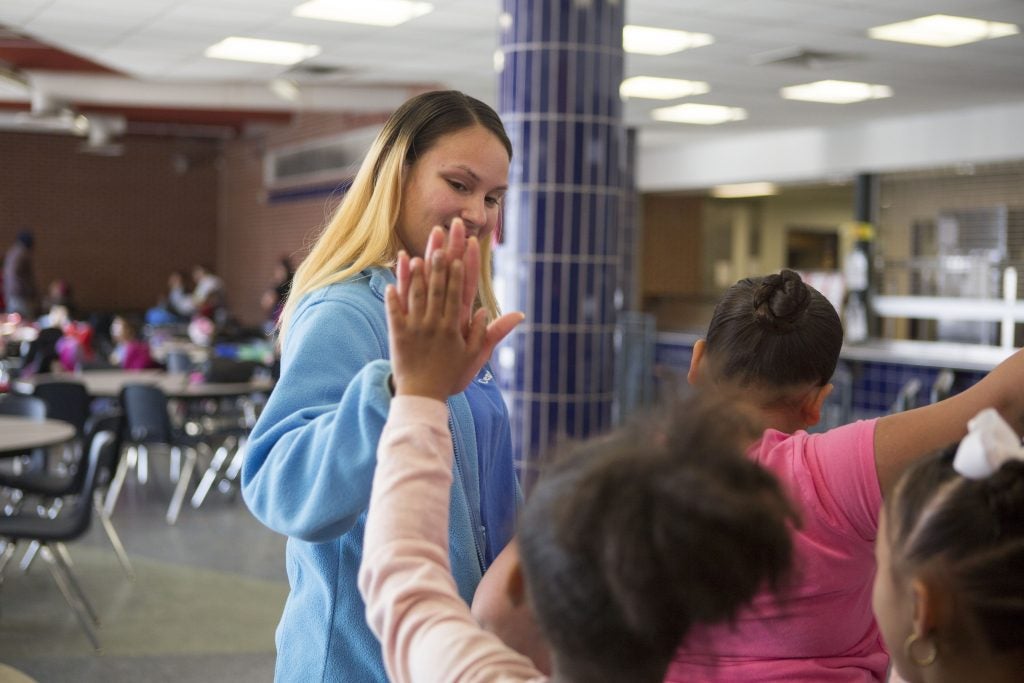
990 442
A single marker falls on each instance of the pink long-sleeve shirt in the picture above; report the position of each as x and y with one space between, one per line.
426 631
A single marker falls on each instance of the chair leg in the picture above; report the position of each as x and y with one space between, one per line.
142 469
175 468
114 490
236 462
29 556
77 606
182 487
115 540
62 557
206 483
6 553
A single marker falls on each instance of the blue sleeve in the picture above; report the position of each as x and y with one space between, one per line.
312 453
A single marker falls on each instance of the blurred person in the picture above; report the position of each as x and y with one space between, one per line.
131 352
20 289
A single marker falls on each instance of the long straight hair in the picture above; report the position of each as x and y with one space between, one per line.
362 231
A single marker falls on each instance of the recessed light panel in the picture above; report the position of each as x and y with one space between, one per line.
943 30
836 92
653 88
371 12
744 190
647 40
263 51
700 114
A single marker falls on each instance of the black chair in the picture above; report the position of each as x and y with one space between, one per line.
23 406
34 409
52 489
148 423
908 397
40 353
178 361
67 401
51 534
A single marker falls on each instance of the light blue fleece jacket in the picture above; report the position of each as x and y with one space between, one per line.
309 469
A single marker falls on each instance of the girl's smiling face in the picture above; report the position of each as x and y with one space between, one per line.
464 175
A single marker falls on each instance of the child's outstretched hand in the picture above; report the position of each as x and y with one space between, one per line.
432 353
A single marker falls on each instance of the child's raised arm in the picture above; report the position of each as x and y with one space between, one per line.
902 438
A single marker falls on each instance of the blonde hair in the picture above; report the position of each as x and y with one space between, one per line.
362 231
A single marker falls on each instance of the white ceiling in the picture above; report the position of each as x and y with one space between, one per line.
163 41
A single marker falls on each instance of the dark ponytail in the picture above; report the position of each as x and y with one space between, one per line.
974 529
774 331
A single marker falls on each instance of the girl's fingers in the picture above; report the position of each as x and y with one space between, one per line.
417 300
472 279
435 242
402 277
500 328
393 304
456 240
437 286
453 300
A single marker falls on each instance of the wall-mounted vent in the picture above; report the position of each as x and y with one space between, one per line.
324 161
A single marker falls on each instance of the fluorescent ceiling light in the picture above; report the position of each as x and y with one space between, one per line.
703 114
836 92
647 40
744 190
942 30
375 13
653 88
264 51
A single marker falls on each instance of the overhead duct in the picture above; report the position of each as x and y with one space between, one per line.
106 90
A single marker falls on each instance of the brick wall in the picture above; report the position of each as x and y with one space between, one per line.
114 227
255 230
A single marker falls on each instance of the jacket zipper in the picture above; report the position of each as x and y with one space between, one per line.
473 513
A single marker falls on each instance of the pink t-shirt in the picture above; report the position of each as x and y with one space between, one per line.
412 605
822 629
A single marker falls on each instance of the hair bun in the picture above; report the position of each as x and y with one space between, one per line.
780 300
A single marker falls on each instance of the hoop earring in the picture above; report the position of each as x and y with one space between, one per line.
911 649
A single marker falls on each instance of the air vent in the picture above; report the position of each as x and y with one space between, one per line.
318 162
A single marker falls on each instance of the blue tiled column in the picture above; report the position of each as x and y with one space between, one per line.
558 263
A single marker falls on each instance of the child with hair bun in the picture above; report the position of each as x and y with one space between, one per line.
627 543
778 340
949 589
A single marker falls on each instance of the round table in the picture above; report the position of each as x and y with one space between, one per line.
20 434
108 383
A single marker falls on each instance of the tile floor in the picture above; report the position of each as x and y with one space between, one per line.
203 607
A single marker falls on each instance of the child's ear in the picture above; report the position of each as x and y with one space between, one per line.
693 376
810 411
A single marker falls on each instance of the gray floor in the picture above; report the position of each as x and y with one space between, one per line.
203 607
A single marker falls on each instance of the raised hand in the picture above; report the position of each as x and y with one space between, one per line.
456 246
432 353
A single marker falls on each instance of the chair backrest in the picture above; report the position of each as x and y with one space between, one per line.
145 413
111 422
78 518
23 406
67 401
228 370
41 352
908 396
178 361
